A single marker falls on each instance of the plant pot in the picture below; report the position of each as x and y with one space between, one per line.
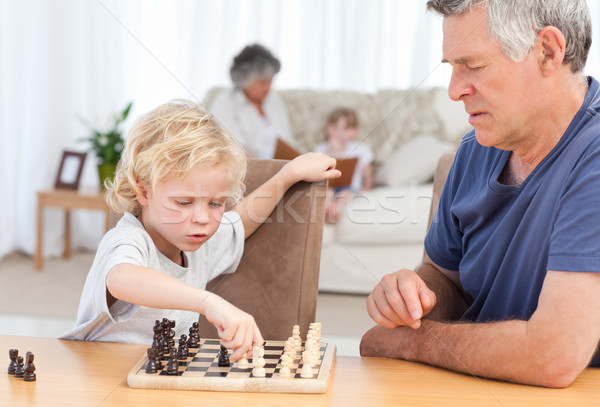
106 172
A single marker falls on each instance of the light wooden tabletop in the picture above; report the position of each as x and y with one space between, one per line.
71 373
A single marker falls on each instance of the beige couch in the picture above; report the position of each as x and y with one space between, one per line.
383 229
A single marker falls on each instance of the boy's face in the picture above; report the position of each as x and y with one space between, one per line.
180 215
340 132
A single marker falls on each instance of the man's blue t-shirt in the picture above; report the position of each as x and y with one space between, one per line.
502 239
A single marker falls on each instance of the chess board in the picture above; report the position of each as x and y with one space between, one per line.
200 371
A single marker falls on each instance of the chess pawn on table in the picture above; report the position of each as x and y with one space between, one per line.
182 350
19 371
151 365
259 362
173 365
243 362
296 337
223 357
29 375
13 354
307 371
194 336
284 370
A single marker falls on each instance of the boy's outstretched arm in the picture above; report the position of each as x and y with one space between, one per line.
256 207
151 288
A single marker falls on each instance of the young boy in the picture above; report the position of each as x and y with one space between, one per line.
342 131
179 170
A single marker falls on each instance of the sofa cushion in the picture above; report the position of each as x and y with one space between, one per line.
386 216
415 161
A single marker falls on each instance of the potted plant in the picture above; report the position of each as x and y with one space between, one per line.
108 145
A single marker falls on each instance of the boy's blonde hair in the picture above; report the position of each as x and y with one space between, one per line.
166 144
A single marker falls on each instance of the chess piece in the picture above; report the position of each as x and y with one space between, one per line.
194 338
164 344
182 350
243 362
151 365
172 365
157 343
284 370
223 357
19 371
171 338
29 375
297 338
306 372
12 366
259 362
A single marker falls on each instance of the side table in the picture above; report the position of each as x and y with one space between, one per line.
66 199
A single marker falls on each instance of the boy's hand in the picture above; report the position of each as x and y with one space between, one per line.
236 328
311 167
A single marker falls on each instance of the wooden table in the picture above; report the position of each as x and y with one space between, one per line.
72 373
68 200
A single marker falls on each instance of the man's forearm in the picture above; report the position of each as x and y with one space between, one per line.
451 301
499 350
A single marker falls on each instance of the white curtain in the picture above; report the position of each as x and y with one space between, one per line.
60 59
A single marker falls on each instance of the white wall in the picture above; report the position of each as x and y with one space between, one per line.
63 58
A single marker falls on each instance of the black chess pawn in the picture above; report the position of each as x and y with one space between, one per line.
182 350
171 338
19 371
194 337
224 357
157 344
151 365
173 365
29 375
165 348
12 366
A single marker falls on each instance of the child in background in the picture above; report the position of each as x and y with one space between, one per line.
342 131
179 170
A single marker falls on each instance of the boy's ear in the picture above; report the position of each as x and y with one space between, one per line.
142 194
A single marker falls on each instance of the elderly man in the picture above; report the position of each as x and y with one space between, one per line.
511 286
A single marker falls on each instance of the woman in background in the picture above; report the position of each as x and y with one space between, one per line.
253 114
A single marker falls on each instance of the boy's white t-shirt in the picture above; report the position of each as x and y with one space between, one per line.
128 242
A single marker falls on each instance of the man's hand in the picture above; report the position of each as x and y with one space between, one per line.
401 298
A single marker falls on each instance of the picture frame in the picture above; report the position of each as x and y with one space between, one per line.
69 171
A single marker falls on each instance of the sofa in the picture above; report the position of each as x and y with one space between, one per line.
381 230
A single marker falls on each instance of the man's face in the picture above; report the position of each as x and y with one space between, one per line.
500 95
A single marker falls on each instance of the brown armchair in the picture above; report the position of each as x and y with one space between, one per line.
277 279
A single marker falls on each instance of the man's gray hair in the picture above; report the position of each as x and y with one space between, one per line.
252 62
515 24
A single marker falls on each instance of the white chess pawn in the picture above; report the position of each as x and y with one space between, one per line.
308 345
243 362
297 338
259 362
306 372
284 370
289 345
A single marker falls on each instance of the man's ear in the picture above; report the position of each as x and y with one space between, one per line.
552 46
141 194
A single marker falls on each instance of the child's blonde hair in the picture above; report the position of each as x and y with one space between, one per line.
166 144
343 113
